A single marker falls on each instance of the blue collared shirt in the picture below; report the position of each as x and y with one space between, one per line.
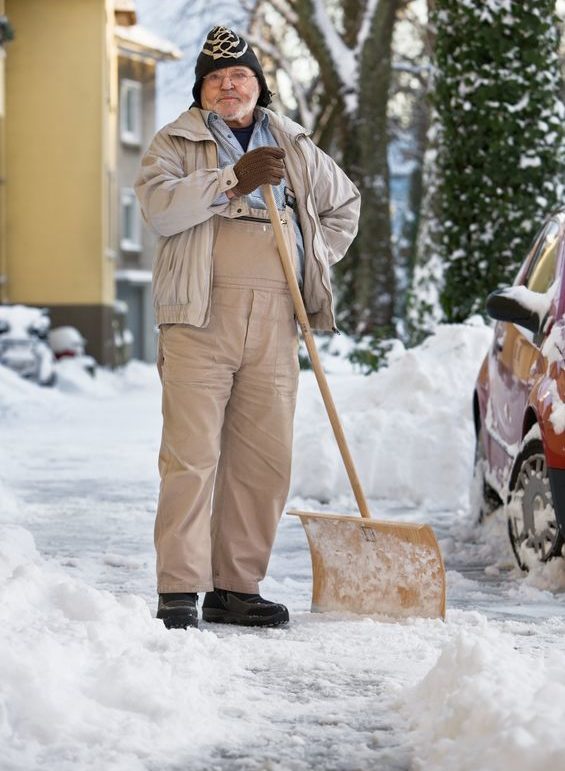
230 151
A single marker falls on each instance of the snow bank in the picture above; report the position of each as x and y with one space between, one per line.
409 425
91 681
73 378
8 504
17 394
487 705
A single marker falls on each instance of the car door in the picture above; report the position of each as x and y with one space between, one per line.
515 357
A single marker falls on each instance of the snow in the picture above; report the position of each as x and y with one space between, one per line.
403 406
553 347
134 276
90 680
538 302
521 105
139 37
343 57
530 161
557 416
22 318
488 706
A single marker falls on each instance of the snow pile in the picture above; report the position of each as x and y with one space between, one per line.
18 395
73 378
139 375
84 673
548 576
488 706
8 505
91 682
409 426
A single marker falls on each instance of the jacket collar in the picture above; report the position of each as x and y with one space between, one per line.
285 125
193 124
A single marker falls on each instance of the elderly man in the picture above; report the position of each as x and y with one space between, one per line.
228 357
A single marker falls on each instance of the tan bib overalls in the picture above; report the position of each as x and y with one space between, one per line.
229 393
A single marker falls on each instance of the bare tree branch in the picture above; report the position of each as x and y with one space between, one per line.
418 70
307 114
249 6
343 56
365 28
286 10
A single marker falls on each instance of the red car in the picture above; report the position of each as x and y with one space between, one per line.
518 403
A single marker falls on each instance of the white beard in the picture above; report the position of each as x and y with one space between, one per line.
235 111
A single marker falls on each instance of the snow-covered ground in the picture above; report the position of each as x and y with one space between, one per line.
90 680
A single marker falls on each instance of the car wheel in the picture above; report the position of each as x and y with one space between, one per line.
484 499
532 527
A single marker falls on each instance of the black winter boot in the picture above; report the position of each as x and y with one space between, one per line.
223 607
178 611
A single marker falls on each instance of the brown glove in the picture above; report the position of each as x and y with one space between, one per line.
263 166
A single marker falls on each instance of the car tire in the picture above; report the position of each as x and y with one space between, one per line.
484 498
533 530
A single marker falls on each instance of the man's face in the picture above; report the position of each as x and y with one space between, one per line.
232 92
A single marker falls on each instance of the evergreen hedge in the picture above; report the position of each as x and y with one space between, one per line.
500 158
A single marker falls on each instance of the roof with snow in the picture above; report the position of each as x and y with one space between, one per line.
138 40
124 5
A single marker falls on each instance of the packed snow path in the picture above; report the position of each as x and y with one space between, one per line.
90 680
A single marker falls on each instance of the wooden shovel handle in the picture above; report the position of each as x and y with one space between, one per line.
302 317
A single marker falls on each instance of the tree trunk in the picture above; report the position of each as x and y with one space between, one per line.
358 138
367 279
406 253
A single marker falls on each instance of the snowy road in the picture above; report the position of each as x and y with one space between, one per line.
91 681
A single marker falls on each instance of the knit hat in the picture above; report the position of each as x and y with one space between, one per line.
224 48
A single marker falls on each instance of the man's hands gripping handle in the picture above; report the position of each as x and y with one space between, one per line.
263 166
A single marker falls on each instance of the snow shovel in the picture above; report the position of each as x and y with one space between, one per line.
360 564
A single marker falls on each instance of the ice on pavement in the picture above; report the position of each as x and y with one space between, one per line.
90 680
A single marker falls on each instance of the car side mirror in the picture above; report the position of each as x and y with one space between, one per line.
515 305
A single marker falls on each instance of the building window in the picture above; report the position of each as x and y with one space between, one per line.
130 112
131 223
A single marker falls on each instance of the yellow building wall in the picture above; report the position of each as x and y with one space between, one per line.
3 267
59 154
110 222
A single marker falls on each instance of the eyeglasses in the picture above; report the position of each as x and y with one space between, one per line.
238 78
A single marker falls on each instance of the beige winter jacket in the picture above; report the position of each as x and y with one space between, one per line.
177 185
